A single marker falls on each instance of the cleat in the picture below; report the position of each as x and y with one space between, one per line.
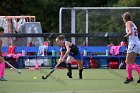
128 80
3 79
69 75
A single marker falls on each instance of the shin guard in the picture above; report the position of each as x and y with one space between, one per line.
80 73
69 74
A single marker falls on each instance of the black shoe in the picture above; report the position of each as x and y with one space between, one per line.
69 75
128 80
3 79
138 81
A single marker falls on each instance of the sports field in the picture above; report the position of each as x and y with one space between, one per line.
94 81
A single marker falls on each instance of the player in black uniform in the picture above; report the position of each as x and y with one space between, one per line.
69 52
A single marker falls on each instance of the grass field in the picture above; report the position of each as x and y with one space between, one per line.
94 81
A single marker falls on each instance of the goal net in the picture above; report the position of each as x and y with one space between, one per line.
105 22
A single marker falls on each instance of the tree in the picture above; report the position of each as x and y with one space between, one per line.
8 7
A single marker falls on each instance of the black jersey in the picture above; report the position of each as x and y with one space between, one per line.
73 49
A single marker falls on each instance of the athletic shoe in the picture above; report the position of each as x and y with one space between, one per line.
69 75
128 80
3 79
138 81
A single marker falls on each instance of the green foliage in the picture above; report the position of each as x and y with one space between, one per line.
127 3
47 12
7 7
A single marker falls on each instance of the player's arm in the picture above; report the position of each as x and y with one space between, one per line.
61 56
67 44
129 28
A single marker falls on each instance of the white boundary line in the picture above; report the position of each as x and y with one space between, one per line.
96 91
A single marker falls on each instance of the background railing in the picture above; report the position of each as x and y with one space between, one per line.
95 39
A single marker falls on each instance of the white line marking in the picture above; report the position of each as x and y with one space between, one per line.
97 91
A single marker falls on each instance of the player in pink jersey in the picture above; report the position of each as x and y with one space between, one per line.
2 61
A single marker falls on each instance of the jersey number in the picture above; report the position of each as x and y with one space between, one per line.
135 32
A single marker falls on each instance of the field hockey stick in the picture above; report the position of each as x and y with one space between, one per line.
18 71
45 77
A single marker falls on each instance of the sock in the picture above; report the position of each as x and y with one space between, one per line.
2 68
69 68
129 71
80 73
136 68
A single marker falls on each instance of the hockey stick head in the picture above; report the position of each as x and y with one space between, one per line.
18 71
45 77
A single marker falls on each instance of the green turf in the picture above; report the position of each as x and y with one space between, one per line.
94 81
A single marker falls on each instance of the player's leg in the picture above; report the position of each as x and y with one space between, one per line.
130 58
2 70
80 67
136 49
135 66
137 69
79 58
69 59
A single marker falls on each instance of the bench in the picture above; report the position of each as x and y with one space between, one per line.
33 49
99 52
92 52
